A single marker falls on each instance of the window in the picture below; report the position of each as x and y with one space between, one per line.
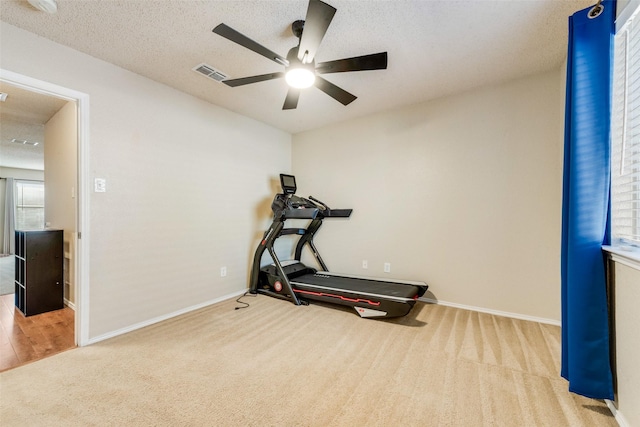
29 201
625 134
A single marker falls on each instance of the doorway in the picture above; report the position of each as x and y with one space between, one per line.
76 241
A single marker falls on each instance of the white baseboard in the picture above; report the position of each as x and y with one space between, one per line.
69 304
620 419
496 312
158 319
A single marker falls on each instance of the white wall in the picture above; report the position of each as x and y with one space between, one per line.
463 193
61 184
188 185
61 168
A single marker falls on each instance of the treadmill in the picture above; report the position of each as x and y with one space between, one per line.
293 281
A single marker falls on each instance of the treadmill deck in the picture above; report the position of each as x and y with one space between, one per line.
360 286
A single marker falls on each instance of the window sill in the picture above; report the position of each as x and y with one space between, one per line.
628 257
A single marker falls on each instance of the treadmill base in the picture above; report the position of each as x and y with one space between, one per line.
371 298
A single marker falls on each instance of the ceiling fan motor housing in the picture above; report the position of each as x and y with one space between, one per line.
297 28
294 62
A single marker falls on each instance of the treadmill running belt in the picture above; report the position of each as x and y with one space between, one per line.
358 285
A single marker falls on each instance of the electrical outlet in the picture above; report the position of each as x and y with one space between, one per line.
365 264
387 267
223 271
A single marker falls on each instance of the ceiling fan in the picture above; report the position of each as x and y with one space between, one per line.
301 71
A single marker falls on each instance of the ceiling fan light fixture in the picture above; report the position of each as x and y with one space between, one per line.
300 78
49 6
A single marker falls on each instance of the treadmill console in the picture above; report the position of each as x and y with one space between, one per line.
288 183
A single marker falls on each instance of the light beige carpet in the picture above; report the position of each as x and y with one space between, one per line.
275 364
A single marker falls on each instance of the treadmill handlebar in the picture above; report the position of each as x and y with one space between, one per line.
337 213
327 212
320 203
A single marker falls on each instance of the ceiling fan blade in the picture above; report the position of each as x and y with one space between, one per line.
252 79
375 61
319 16
340 95
291 101
236 37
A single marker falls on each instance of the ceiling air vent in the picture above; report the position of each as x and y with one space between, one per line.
209 71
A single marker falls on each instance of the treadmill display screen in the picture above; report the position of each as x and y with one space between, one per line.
288 183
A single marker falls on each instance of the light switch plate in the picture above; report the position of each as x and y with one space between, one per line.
100 185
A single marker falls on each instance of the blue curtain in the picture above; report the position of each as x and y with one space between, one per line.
585 204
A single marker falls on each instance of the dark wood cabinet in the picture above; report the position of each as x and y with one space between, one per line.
39 271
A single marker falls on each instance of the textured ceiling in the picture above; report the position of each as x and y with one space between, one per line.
435 47
23 116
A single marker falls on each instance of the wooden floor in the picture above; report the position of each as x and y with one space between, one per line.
27 339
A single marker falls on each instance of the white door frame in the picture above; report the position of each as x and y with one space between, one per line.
82 207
